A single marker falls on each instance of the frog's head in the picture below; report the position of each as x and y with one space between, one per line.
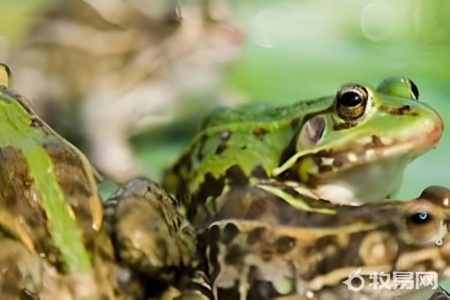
357 150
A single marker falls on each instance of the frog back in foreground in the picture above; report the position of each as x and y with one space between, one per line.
49 200
328 144
272 250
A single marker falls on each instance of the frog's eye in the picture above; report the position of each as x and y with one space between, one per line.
420 218
351 101
424 221
399 87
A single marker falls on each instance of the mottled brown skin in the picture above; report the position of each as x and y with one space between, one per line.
304 246
150 235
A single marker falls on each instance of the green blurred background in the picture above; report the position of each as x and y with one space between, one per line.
305 49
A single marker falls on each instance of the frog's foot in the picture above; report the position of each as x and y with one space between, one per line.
148 232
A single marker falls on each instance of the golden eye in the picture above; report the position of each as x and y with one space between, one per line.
351 101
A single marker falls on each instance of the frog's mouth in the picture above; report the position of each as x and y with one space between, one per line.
323 164
367 169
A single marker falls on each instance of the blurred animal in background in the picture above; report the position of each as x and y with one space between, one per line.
104 70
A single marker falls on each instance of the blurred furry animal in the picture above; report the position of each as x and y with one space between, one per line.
112 68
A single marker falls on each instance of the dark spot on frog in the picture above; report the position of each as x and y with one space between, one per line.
202 141
36 123
211 187
339 161
222 147
340 158
397 110
259 172
323 153
294 123
212 237
284 244
235 255
229 233
258 131
230 293
344 125
255 235
263 289
376 142
266 254
236 176
289 175
213 233
325 168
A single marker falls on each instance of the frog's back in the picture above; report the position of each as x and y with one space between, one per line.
262 113
236 146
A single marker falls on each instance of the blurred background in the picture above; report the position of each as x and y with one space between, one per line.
294 49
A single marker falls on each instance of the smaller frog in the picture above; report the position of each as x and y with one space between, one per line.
273 247
277 243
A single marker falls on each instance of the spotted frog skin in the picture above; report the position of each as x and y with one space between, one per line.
268 249
276 243
51 236
327 144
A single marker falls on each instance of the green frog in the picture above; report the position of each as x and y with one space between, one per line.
350 148
51 214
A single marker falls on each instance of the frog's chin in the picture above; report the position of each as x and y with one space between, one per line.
365 184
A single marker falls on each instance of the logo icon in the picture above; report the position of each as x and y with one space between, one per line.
349 281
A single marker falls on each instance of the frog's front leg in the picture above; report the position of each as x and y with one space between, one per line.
149 234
